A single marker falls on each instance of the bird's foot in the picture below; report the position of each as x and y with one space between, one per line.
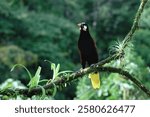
92 65
79 71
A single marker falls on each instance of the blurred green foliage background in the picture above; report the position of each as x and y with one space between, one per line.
32 31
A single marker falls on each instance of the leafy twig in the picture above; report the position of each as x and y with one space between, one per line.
80 74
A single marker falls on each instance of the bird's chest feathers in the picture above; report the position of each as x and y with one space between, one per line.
85 46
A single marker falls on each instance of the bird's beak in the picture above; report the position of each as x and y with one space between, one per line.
79 25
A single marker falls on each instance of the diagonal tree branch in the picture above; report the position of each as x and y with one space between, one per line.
64 79
129 35
135 23
83 72
95 67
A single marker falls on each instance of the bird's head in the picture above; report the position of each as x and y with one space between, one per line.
83 26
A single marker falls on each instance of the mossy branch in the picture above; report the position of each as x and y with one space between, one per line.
79 74
135 25
96 67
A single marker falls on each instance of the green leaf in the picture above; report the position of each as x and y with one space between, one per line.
63 72
55 90
43 92
35 80
29 74
57 68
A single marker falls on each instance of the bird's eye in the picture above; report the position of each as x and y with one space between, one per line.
84 28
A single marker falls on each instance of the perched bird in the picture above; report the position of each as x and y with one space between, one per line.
88 52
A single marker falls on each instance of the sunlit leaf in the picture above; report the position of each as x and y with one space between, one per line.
35 80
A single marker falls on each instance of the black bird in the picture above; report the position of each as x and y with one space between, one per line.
88 52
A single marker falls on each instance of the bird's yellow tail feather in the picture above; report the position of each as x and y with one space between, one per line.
95 80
